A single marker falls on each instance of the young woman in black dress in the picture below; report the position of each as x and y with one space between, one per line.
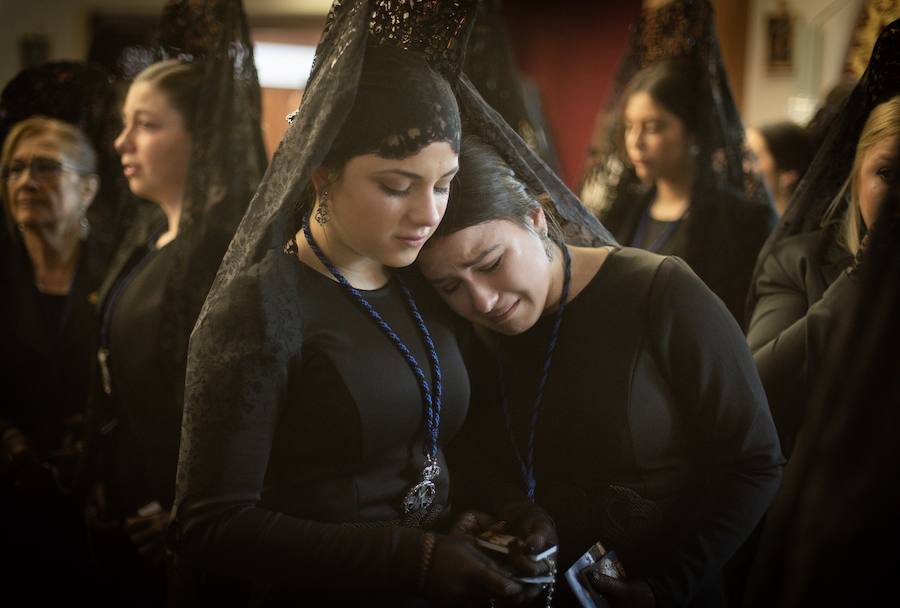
612 384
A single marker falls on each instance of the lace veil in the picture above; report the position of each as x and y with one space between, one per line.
491 67
683 29
820 196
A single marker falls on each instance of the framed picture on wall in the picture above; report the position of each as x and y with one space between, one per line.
780 42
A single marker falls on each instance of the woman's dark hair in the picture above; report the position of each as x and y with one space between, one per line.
790 146
180 82
680 88
402 105
487 189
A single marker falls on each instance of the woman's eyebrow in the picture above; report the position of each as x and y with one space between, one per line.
414 176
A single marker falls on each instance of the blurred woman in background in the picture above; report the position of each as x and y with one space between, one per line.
47 341
782 151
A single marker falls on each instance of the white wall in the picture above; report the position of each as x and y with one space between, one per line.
66 22
767 96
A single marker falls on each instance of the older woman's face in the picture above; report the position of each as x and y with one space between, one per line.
879 176
44 189
154 145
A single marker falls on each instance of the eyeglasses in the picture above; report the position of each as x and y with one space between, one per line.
41 168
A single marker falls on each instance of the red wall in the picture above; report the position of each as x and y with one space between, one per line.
570 49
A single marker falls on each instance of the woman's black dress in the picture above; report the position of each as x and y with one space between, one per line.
654 436
294 477
47 345
719 239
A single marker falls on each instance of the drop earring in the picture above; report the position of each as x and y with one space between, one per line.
84 223
322 209
548 246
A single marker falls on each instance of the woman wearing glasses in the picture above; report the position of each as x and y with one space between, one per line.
46 340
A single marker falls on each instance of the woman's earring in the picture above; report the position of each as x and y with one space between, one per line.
694 150
322 209
84 223
548 246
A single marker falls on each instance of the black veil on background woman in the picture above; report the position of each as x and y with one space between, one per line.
491 66
228 154
682 29
817 200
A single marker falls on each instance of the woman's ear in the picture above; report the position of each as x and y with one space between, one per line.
537 220
321 179
90 185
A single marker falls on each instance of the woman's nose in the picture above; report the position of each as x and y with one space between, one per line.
428 209
121 141
483 298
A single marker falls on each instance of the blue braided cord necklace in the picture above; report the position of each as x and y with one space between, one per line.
527 464
422 494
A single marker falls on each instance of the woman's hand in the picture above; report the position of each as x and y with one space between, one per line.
148 534
535 531
461 575
621 593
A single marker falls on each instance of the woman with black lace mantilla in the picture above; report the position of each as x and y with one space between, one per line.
804 285
323 383
198 164
670 177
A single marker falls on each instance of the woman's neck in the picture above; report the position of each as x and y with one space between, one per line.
54 254
360 271
673 197
172 211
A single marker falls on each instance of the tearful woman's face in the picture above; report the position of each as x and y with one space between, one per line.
878 177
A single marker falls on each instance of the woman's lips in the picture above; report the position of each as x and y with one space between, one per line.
130 170
413 241
503 314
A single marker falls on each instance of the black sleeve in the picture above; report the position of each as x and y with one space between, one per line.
234 393
706 360
787 337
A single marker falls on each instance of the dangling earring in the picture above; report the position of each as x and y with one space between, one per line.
694 150
322 209
84 223
548 246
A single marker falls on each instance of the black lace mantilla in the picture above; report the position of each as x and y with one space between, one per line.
684 29
817 200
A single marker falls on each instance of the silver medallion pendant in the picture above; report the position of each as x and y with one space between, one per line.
420 498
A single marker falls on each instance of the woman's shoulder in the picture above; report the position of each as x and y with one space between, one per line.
800 251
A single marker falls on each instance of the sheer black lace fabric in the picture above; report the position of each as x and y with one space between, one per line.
817 200
491 67
684 29
228 155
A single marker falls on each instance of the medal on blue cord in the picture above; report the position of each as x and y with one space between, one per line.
421 496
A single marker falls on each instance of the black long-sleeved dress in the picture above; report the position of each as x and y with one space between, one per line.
719 239
303 431
801 293
47 345
654 435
